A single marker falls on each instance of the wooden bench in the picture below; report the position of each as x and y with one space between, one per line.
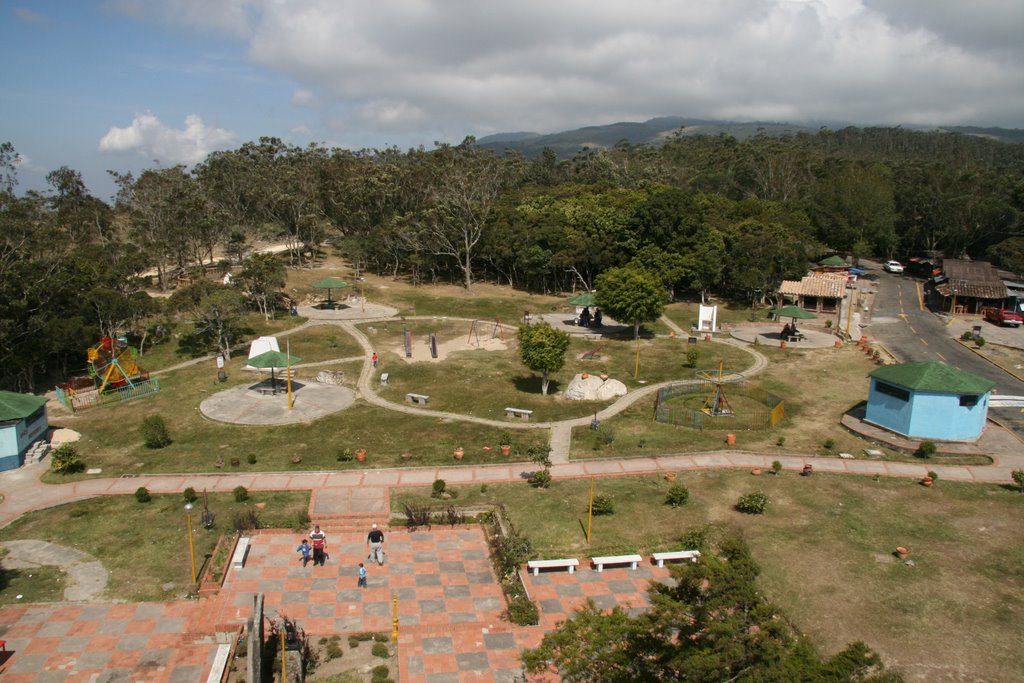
383 378
537 565
518 412
241 550
419 399
690 555
600 562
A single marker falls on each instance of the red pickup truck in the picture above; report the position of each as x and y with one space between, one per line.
1003 316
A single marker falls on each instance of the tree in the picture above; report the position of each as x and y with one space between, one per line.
216 314
262 276
630 294
1018 478
542 349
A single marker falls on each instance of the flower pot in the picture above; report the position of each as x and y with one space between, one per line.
406 455
585 375
902 553
603 375
670 476
459 453
782 344
506 450
927 481
361 454
296 459
730 439
756 471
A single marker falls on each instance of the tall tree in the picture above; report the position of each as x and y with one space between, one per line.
630 294
262 275
542 349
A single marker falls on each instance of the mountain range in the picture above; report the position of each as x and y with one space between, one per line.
567 144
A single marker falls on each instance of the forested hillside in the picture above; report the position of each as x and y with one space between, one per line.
703 213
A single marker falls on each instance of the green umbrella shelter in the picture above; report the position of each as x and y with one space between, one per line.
585 299
330 283
794 312
272 360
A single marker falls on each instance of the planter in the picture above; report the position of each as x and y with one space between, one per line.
603 375
782 344
670 476
361 454
235 462
506 450
927 481
296 459
459 453
902 553
585 376
406 455
730 439
756 471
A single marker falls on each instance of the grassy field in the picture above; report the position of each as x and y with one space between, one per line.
144 546
825 547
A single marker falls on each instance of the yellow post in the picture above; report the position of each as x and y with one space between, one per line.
284 658
362 296
394 617
191 545
288 350
636 371
590 511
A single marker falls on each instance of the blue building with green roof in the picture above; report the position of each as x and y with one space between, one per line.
929 400
23 421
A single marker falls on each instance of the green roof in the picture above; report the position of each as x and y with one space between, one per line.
16 406
933 376
833 262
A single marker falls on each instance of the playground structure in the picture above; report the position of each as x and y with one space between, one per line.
716 405
474 331
687 404
114 374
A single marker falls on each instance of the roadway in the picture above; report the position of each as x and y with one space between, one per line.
911 332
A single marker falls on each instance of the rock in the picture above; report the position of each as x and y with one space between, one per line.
583 389
64 435
610 389
329 377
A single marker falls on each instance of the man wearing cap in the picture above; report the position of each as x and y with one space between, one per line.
375 541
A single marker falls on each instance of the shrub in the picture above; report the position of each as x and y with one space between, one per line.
380 637
380 650
692 357
505 438
828 324
934 476
333 649
154 432
776 467
540 455
380 673
780 442
438 488
190 495
142 495
829 444
454 516
346 455
925 450
603 505
677 495
65 460
540 479
245 520
511 550
240 493
967 336
522 611
1018 478
415 517
251 458
696 539
483 488
979 342
753 503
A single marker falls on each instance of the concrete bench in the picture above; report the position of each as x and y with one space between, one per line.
518 412
600 562
383 378
419 399
241 550
537 565
690 555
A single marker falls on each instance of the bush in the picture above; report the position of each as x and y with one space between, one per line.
692 357
753 503
245 520
934 476
333 649
829 444
967 336
540 479
522 611
415 517
438 488
380 674
240 493
511 551
979 342
380 637
677 495
346 455
776 467
380 650
65 460
454 516
251 458
780 442
142 495
154 432
925 450
190 495
1018 478
603 505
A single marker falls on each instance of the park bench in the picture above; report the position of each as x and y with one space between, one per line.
384 378
690 555
241 550
593 336
589 355
537 565
418 399
600 562
518 412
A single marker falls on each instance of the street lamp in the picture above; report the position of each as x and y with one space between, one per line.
191 545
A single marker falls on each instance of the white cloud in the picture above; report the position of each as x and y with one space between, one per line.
30 16
153 139
489 65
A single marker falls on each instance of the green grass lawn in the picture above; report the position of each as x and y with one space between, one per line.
825 547
144 546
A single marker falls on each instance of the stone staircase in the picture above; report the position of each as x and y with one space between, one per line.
37 451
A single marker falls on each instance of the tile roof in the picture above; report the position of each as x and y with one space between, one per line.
976 279
827 286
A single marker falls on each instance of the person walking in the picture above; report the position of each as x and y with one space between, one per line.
319 540
375 542
362 576
375 359
305 549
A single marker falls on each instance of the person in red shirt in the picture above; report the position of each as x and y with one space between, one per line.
319 541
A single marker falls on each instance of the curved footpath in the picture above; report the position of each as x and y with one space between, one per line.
366 490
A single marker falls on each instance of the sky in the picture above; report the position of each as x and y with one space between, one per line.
134 84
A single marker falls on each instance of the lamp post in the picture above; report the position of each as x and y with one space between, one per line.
191 545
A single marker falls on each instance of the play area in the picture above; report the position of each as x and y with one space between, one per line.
114 374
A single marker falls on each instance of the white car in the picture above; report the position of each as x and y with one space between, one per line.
893 267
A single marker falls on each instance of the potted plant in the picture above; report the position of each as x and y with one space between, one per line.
406 455
902 553
296 459
505 443
361 454
459 452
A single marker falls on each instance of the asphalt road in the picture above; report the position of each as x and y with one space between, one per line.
911 332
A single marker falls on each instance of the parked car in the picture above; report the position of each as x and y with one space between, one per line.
1004 316
893 267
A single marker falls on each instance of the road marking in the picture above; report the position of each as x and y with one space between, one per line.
940 355
923 341
920 296
912 329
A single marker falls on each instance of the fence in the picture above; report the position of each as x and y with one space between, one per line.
78 400
767 414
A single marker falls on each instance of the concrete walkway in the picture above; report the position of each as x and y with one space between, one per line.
86 574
